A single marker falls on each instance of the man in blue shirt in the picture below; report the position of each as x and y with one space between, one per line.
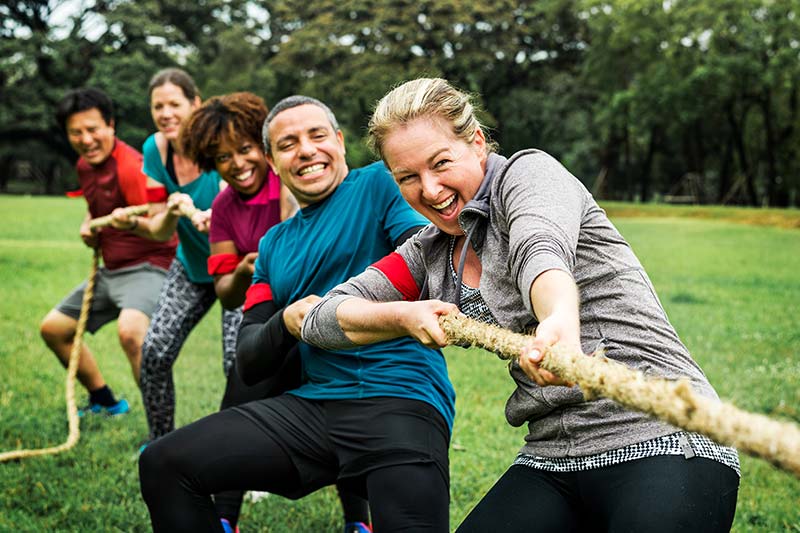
376 419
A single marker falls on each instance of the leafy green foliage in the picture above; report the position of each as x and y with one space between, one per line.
642 99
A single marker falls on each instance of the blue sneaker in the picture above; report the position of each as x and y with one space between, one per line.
119 408
226 526
357 527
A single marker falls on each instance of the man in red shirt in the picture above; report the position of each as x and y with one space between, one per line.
128 284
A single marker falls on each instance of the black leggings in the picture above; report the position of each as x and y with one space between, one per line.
656 494
178 475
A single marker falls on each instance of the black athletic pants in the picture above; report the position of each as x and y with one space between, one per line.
392 450
229 503
658 494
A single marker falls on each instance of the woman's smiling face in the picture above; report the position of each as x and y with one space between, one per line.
242 164
437 172
170 107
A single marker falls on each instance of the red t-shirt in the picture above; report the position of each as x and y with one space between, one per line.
119 182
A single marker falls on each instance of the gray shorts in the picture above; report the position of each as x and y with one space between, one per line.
135 287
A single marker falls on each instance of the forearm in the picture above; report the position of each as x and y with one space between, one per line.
365 322
555 295
84 227
262 345
161 226
231 289
342 322
141 227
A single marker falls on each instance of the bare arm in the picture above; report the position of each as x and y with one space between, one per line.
231 288
365 322
162 225
554 297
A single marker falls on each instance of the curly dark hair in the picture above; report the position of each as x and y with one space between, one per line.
228 117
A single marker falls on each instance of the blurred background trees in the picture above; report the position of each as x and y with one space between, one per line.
673 100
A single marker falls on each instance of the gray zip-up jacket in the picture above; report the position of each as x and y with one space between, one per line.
528 216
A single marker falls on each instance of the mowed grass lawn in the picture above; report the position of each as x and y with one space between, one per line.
732 291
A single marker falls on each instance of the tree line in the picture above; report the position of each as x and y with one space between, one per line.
677 100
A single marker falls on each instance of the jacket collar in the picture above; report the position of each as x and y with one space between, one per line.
480 202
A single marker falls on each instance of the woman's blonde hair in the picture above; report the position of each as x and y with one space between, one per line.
424 97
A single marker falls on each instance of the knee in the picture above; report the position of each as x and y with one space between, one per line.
158 466
131 340
149 460
55 329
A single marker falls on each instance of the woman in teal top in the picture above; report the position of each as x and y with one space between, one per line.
193 248
188 291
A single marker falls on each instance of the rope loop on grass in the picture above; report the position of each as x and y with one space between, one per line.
672 401
72 371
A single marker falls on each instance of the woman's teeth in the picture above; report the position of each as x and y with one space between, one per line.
243 176
444 204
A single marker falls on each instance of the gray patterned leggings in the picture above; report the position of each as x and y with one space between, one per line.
181 305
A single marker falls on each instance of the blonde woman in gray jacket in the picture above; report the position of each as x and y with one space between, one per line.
521 243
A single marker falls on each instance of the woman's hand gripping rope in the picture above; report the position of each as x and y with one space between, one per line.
672 401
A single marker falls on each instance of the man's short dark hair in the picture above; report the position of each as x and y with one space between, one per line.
83 99
288 103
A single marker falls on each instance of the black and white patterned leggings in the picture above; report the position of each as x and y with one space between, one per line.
181 305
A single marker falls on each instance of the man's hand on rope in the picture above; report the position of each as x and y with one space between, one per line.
88 235
122 219
551 330
294 314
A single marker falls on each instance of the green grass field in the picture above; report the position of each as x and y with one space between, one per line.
732 291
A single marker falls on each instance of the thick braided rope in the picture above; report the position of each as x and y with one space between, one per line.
672 401
72 371
188 210
100 222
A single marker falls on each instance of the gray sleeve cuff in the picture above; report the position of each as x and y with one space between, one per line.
321 327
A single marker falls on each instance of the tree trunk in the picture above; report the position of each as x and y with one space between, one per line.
645 177
700 161
6 162
725 171
737 128
770 148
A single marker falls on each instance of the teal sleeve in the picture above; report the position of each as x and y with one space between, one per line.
260 274
152 165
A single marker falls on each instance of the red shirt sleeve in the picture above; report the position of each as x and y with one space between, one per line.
223 263
256 294
132 180
156 194
394 267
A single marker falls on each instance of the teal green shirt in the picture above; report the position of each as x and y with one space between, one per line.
193 248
